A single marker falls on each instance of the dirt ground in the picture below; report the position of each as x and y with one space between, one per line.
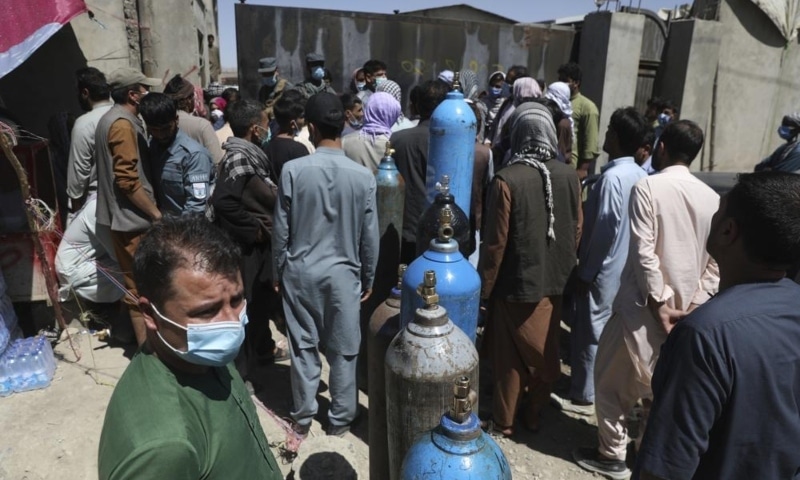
54 432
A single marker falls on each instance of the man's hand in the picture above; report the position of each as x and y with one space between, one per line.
366 294
276 285
666 316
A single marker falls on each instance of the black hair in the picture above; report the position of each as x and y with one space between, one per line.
120 94
517 71
349 100
329 122
649 136
157 109
230 95
287 110
496 76
766 208
682 140
669 104
186 241
295 95
571 71
327 76
372 66
630 126
95 82
431 94
242 115
552 106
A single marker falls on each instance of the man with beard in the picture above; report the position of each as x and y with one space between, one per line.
183 173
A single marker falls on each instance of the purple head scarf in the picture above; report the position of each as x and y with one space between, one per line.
526 87
380 113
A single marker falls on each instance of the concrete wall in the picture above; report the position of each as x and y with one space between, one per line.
688 71
460 12
414 48
758 81
611 44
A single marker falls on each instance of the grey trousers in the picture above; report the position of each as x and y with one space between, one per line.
305 374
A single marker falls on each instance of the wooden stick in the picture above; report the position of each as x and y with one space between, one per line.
25 189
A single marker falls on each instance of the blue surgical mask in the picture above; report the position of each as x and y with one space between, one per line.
357 124
785 132
496 91
269 81
361 86
213 344
663 119
267 138
318 73
379 80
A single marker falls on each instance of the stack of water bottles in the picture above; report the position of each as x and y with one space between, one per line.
25 363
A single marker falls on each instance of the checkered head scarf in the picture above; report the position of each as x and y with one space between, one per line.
534 142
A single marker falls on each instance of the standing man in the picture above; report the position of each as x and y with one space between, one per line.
603 251
668 272
374 75
411 156
315 80
325 248
87 248
93 96
529 245
181 91
180 410
726 386
183 173
586 120
125 199
214 69
243 204
785 158
272 85
283 147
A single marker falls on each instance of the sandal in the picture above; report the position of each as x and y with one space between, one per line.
496 430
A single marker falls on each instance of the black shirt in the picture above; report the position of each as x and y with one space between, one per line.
411 156
280 150
727 390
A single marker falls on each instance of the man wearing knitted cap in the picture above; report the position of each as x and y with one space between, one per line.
314 82
325 248
181 91
532 226
785 158
125 199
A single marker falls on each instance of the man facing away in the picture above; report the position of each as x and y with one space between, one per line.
180 410
586 118
85 261
125 199
325 248
726 385
668 272
183 173
411 156
603 251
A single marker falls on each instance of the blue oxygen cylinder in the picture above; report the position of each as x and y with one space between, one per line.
459 285
457 449
451 149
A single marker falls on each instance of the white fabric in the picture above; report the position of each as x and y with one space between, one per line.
785 14
14 56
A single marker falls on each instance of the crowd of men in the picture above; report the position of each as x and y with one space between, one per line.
206 226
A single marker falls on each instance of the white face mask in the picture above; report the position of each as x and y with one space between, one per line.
212 344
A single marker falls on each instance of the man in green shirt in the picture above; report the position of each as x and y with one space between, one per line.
180 410
586 120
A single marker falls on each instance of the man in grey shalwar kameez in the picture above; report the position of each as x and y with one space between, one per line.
325 244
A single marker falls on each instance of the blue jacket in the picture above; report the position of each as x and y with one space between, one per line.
183 175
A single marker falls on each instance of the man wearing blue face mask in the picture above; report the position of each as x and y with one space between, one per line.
785 158
180 410
272 85
314 82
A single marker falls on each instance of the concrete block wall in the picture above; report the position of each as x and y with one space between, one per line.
611 43
688 72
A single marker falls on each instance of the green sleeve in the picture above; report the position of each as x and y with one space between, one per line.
164 458
591 129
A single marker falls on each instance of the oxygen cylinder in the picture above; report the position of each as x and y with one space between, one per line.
428 226
451 150
459 286
383 327
458 447
422 362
